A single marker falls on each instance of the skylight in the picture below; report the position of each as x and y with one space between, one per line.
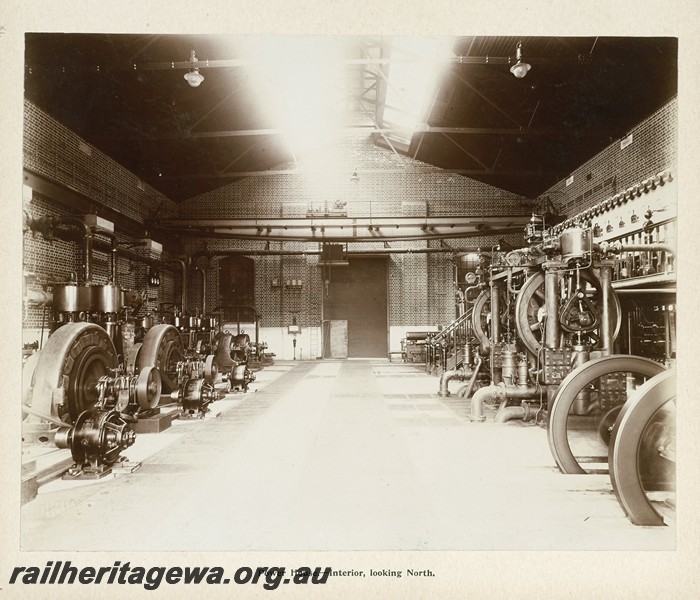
417 65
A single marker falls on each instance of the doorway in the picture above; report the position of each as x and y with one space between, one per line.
357 293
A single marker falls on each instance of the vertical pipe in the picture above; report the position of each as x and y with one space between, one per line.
113 256
204 289
629 332
114 260
257 329
551 299
606 333
495 314
89 236
495 330
670 316
183 268
89 239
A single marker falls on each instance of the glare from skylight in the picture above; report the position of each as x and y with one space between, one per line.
299 87
417 66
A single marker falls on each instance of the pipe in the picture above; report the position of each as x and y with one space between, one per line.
606 328
88 241
470 386
217 253
551 298
495 314
633 291
509 282
40 226
113 255
447 376
38 297
183 269
507 413
498 392
204 289
620 247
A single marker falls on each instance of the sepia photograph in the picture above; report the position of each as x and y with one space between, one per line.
320 308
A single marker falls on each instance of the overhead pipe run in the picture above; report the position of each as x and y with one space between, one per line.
50 226
618 247
321 237
221 253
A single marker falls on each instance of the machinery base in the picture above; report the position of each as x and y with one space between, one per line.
212 413
154 424
30 482
126 467
89 475
39 433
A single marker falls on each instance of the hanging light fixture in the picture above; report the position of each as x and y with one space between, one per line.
193 76
520 68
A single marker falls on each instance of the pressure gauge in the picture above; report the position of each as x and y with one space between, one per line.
470 278
513 259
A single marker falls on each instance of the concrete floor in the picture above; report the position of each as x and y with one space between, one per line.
347 455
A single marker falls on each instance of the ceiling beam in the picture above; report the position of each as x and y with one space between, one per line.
487 100
408 169
454 60
469 154
369 129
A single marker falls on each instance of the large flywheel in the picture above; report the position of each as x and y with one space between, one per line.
480 320
599 379
530 307
162 348
643 447
68 369
223 347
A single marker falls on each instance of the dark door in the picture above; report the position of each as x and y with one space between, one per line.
237 288
357 293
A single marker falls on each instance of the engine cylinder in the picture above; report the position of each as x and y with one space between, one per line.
574 243
70 297
107 298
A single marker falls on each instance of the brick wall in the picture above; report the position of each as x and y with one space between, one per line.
420 285
56 153
654 148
